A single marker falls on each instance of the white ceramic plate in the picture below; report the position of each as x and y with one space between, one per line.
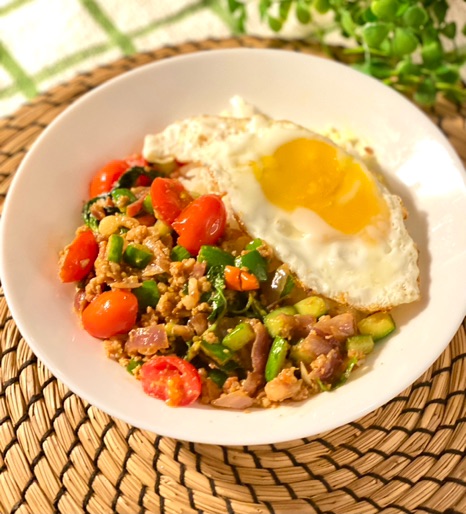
43 209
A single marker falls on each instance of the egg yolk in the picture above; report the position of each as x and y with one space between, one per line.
313 174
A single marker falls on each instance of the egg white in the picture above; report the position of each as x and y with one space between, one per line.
370 271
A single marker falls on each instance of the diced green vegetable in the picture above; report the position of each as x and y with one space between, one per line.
179 253
148 295
115 248
313 306
218 377
300 352
122 192
215 256
273 323
240 336
377 325
132 365
217 352
162 228
137 255
362 343
253 245
147 205
277 358
255 263
165 166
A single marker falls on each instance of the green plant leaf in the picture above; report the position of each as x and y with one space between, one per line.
377 69
347 23
449 30
426 93
374 33
303 13
432 54
385 10
406 68
440 8
404 42
321 6
233 5
387 32
274 23
368 15
415 16
263 8
284 9
447 73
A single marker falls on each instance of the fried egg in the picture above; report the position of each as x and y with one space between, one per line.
322 210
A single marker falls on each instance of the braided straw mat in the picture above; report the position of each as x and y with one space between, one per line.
60 454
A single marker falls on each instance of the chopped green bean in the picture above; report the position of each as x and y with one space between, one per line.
122 192
137 255
179 253
147 205
240 336
115 248
148 295
277 358
217 352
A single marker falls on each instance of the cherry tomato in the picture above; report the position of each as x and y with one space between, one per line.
110 313
202 222
79 257
239 280
136 160
105 178
169 198
171 379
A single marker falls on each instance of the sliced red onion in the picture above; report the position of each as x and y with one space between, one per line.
147 340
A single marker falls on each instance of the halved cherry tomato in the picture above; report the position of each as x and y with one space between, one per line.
110 313
107 176
171 379
136 160
169 198
240 280
79 257
202 222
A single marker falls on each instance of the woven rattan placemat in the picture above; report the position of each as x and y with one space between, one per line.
60 454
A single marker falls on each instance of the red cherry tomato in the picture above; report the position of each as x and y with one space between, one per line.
171 379
136 160
105 178
79 257
169 198
202 222
110 313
